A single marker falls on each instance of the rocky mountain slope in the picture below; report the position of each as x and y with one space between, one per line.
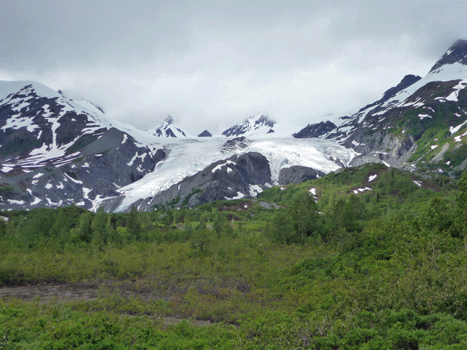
56 151
419 124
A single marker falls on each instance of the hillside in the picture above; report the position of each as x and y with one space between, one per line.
356 269
417 125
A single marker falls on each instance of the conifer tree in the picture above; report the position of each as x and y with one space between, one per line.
133 226
461 212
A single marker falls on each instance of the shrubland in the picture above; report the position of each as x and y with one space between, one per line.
367 258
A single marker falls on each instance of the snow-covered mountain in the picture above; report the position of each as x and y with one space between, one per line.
421 123
56 151
168 129
256 125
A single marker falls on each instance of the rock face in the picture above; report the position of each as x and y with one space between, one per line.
404 83
237 177
205 133
298 174
235 144
256 125
315 130
55 151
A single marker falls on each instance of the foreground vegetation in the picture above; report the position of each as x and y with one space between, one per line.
378 262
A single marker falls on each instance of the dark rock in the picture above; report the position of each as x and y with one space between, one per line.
298 174
236 177
315 130
404 83
456 53
235 144
205 133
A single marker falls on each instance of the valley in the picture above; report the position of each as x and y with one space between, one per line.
346 234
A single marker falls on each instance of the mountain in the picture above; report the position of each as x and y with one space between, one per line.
205 133
256 125
56 151
419 124
167 129
189 163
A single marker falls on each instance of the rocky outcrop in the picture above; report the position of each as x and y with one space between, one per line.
237 177
205 133
404 83
235 144
298 174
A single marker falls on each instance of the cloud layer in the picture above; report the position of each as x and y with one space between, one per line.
211 63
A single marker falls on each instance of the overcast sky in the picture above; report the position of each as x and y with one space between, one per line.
211 64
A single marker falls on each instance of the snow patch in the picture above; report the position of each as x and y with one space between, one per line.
423 116
36 201
86 192
313 193
453 130
219 167
359 190
239 195
254 190
73 180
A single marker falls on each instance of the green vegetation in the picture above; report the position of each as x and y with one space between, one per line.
378 262
82 142
5 188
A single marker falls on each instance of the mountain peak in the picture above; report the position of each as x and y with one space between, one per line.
255 125
456 53
168 129
169 120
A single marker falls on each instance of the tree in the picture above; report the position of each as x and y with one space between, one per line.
304 214
461 207
218 224
99 227
85 232
133 226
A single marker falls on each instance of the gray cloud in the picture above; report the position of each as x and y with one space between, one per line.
214 63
